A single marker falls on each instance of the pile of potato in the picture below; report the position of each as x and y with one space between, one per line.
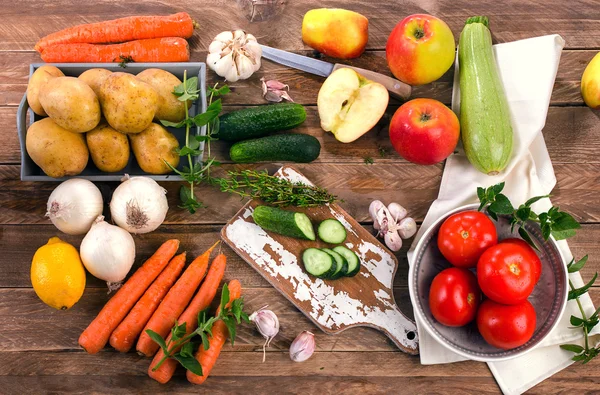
75 128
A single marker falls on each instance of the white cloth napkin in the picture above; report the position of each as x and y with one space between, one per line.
527 69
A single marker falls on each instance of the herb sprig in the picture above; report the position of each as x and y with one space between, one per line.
195 173
561 226
231 317
272 189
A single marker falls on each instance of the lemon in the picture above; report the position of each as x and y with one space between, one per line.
57 274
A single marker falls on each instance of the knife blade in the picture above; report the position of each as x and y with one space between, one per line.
319 67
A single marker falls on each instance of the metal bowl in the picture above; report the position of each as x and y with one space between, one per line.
549 296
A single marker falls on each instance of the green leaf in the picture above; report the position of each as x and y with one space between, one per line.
190 363
596 313
245 317
522 213
492 214
562 234
158 339
575 267
170 124
572 347
502 205
205 118
202 317
498 188
535 199
230 323
564 221
191 85
580 357
185 151
525 236
214 126
224 297
205 342
236 309
576 321
575 293
178 331
187 350
215 106
204 138
219 92
546 230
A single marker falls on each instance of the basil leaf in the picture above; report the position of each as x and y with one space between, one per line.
190 363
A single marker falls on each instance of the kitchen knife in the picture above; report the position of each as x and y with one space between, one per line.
315 66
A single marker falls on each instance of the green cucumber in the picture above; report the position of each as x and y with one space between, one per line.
259 121
283 222
282 147
486 129
351 258
318 263
341 264
332 231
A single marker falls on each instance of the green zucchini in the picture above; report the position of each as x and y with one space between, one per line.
283 222
259 121
486 130
282 147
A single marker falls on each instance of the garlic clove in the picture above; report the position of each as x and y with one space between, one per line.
397 211
234 55
245 68
302 347
267 325
407 228
374 208
224 36
215 48
393 240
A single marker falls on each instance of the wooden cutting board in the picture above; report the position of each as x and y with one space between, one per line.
333 305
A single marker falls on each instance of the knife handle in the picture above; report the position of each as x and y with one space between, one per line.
396 88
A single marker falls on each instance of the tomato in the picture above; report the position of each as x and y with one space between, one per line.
506 326
507 273
463 237
454 297
537 264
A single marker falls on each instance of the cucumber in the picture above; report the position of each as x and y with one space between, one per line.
351 258
283 147
486 130
259 121
287 223
332 231
341 264
318 263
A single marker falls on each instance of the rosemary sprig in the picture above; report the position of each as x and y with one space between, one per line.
231 316
197 172
272 189
561 225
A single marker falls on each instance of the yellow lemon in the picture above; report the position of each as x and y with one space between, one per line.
57 274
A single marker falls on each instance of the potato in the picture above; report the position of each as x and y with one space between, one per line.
109 149
71 103
128 104
37 80
169 108
153 145
55 150
94 78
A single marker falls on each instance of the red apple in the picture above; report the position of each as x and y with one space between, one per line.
424 131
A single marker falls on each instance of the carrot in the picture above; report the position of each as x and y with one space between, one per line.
208 358
174 303
123 337
121 30
95 336
201 301
166 49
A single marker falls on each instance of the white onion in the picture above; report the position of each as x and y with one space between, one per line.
74 205
139 204
107 251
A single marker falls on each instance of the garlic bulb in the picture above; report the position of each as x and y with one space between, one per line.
74 205
139 204
302 347
267 324
107 251
234 55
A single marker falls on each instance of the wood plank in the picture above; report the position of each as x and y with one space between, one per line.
14 74
24 25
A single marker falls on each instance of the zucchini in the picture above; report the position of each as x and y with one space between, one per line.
486 130
287 223
259 121
282 147
351 258
332 231
340 262
318 263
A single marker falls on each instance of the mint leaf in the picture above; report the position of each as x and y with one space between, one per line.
205 342
224 297
498 188
230 327
178 331
187 350
190 363
173 124
158 339
205 118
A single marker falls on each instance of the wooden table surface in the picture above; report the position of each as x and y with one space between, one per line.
38 345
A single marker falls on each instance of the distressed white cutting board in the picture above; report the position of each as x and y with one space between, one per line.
333 305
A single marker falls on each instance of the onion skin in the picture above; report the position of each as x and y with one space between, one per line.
74 205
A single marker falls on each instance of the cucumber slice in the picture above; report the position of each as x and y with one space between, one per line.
332 231
341 264
287 223
351 258
318 263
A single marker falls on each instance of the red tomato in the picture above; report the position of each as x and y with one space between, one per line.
505 326
454 297
507 273
537 264
463 237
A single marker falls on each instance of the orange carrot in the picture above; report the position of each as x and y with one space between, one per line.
208 358
124 336
174 303
121 30
95 336
201 301
166 49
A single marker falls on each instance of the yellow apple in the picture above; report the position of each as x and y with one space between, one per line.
336 32
350 105
590 83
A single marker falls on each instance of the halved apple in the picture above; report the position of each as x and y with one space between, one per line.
350 105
